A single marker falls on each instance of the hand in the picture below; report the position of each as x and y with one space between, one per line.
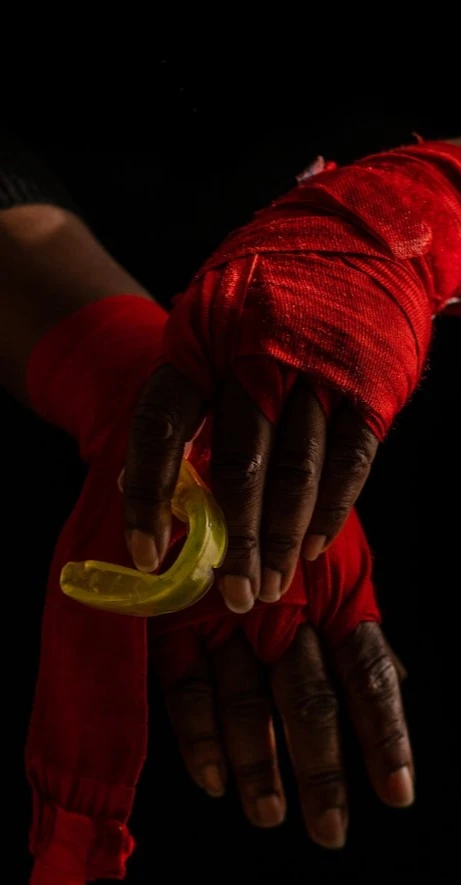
307 472
243 731
328 292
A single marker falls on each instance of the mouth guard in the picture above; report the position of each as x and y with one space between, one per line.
126 591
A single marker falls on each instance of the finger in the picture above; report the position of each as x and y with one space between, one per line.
291 488
309 708
241 447
375 704
245 714
190 704
167 415
351 448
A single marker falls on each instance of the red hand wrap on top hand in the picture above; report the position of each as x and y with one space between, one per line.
338 279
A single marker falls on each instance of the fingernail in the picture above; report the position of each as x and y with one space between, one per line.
270 585
212 781
162 537
401 788
237 593
313 546
143 551
330 830
270 810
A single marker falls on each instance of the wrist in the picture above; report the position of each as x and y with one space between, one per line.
51 267
85 373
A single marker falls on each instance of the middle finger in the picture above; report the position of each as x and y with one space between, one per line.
245 712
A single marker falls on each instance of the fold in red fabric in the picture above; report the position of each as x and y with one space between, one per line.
88 732
339 278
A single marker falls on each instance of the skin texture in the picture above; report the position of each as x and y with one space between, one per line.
284 490
222 716
52 265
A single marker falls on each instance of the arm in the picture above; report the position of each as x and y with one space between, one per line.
50 263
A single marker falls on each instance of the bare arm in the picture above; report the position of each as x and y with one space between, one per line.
51 265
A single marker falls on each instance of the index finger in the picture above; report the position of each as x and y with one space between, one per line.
166 417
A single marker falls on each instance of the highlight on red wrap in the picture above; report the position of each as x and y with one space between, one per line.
338 279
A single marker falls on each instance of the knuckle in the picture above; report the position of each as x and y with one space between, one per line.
258 772
315 705
353 456
240 471
195 688
191 694
375 678
354 464
317 779
359 462
394 737
296 474
243 707
242 545
279 546
199 741
152 423
331 517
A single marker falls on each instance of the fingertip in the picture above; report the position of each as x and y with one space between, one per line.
143 551
331 829
271 585
313 546
213 780
237 593
400 790
270 811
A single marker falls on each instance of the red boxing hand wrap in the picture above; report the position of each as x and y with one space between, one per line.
88 730
338 279
88 733
335 594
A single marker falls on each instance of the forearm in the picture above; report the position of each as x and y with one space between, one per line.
50 266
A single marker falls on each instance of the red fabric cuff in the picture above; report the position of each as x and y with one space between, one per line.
72 849
87 370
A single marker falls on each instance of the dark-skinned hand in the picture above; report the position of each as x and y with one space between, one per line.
221 712
285 490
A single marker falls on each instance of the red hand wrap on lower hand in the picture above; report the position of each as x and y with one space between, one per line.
88 733
334 593
338 279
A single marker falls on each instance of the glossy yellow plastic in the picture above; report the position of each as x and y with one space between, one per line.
130 592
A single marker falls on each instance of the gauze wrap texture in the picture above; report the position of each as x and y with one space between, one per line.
340 279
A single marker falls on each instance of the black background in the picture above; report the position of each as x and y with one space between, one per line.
164 159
